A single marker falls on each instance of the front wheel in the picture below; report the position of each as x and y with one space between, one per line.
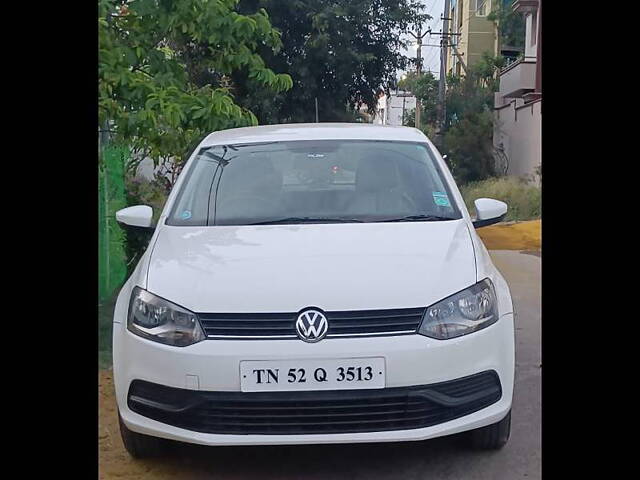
491 437
138 445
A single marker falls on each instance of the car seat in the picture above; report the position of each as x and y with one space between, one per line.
378 189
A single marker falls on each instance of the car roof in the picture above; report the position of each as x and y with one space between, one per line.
314 131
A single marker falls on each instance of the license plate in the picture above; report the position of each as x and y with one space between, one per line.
298 375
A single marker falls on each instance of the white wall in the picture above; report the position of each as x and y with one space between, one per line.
531 36
146 170
381 110
395 108
519 129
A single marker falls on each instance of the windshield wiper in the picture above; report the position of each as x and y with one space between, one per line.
294 220
417 218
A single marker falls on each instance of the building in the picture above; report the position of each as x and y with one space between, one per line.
473 33
391 108
518 104
477 34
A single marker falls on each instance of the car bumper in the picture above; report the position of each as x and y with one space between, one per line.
412 360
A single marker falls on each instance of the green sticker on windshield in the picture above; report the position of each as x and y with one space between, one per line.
441 199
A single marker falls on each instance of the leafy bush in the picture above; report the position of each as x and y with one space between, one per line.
468 141
522 197
164 70
469 147
105 329
425 88
144 192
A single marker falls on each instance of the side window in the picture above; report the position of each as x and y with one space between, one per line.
191 208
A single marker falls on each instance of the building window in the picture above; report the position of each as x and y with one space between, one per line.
482 7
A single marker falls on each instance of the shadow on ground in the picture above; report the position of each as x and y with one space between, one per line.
353 461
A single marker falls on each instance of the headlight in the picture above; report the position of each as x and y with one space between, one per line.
465 312
162 321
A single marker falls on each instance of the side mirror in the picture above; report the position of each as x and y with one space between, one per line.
489 211
136 216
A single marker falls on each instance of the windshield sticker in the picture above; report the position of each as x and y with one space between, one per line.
441 199
186 215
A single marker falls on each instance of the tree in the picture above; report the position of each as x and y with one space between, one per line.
468 141
152 94
341 52
469 147
425 89
510 24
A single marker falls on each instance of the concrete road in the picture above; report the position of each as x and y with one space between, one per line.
443 458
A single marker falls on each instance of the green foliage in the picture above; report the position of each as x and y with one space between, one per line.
144 192
153 56
469 146
111 242
340 51
468 137
105 331
425 88
510 24
409 118
428 128
522 197
111 237
468 140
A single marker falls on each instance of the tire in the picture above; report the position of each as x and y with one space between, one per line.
491 437
138 445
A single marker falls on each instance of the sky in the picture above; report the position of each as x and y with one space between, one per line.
430 55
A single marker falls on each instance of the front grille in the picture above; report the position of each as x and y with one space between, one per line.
315 412
282 325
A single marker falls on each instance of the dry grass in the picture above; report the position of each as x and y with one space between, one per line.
522 198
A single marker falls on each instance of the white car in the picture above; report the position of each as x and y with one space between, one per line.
314 283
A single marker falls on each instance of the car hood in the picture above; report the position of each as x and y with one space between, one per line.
285 268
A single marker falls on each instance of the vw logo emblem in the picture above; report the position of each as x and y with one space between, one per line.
312 326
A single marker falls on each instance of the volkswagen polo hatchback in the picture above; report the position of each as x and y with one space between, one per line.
317 283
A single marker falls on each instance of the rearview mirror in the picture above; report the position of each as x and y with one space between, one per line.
136 216
489 211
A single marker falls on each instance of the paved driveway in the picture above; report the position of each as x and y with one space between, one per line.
442 458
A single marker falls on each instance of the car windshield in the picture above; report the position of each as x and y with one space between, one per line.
327 181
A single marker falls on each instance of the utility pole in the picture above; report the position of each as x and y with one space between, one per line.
418 73
459 56
418 36
442 113
444 36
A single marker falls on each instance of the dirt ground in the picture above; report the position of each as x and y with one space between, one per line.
523 236
113 459
114 462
